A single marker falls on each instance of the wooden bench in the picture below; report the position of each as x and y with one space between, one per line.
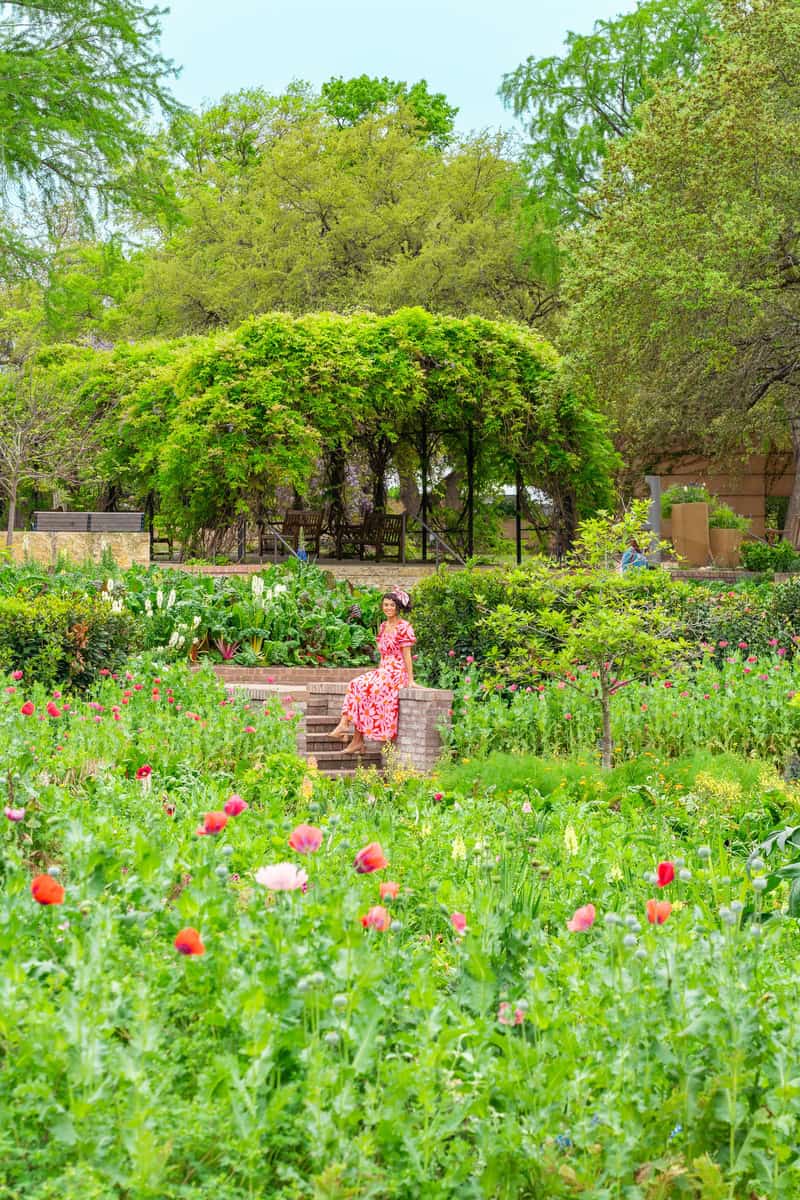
380 530
88 522
293 522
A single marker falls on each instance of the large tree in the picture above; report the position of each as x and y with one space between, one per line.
685 294
79 80
576 103
284 206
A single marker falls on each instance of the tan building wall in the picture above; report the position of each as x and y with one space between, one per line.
746 489
46 548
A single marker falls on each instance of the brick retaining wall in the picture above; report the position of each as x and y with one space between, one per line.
422 710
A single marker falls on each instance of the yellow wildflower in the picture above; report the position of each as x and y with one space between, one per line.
615 874
459 851
570 840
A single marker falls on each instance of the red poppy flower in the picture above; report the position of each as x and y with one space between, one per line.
370 859
188 942
235 805
305 839
46 890
144 771
213 822
53 710
28 709
658 911
390 889
376 918
665 873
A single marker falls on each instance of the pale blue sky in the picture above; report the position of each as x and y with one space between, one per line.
462 47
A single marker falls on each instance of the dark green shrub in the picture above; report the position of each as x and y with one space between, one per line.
758 556
63 639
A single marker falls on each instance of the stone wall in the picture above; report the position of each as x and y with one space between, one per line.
359 574
128 549
745 489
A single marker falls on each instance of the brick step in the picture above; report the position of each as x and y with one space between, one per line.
334 761
323 745
320 722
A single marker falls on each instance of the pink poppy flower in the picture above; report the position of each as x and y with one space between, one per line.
188 942
438 796
305 839
235 805
53 710
213 823
459 922
582 919
15 814
470 658
508 1016
17 675
377 918
658 911
567 716
249 728
282 877
390 890
665 873
370 858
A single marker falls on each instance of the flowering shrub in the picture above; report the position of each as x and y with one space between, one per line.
740 705
491 616
63 639
288 614
194 1006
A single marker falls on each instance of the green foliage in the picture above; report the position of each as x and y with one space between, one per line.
732 700
211 426
173 1077
285 207
683 493
296 615
63 639
722 516
348 101
758 556
692 254
78 81
575 104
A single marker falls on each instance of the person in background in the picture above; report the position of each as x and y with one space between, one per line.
633 557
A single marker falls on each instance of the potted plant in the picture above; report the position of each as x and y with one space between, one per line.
687 507
726 529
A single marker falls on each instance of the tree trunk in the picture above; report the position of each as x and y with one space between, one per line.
792 523
12 512
606 745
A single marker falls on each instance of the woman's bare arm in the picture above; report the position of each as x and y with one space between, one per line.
409 662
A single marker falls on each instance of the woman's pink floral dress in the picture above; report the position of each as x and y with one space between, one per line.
373 700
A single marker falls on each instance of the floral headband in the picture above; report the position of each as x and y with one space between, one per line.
403 597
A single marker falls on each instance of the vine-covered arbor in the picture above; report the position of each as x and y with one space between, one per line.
205 430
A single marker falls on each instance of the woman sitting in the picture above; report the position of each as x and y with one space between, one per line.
372 702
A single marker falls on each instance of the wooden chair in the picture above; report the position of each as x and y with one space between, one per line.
293 522
380 530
